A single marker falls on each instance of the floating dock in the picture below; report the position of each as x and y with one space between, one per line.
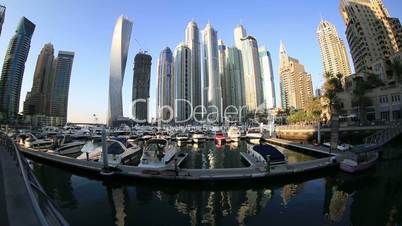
256 170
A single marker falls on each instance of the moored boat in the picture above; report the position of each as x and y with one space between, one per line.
157 153
233 134
359 162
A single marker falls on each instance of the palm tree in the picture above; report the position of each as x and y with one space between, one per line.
332 86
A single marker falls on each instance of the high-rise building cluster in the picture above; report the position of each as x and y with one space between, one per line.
46 103
209 77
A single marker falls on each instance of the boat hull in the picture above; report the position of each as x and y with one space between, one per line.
358 168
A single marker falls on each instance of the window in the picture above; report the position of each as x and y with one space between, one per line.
383 99
396 115
385 115
395 98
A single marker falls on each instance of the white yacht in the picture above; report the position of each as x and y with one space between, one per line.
66 145
31 141
233 134
157 153
199 137
254 133
118 153
183 137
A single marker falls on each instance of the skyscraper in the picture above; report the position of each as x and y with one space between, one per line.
267 76
333 53
60 87
212 84
37 101
13 69
193 42
296 85
371 33
2 16
183 82
222 72
233 94
252 82
141 82
165 95
118 60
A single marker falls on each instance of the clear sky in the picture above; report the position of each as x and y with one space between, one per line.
86 27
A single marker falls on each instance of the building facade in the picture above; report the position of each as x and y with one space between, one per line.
60 88
2 16
233 94
252 82
212 85
332 49
165 97
13 69
118 60
192 40
295 84
37 101
267 74
183 83
223 72
141 83
371 33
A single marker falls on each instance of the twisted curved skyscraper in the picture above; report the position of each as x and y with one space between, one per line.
118 60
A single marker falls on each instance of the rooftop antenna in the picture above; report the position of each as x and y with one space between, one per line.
141 48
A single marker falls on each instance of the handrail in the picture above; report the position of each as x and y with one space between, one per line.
33 187
383 136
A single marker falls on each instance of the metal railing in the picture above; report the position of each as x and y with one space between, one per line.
384 136
45 211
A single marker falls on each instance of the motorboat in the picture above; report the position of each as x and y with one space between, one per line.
163 135
183 137
254 133
92 150
66 145
219 136
199 137
31 141
157 153
340 147
359 162
268 153
233 134
147 135
118 153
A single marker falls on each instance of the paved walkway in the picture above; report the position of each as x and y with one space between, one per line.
15 204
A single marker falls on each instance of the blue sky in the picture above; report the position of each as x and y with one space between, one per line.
86 28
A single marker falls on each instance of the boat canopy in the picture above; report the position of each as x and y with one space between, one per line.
264 150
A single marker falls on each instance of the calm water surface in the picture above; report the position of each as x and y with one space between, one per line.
333 198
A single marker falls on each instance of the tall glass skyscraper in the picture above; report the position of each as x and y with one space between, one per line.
193 42
13 69
212 84
222 71
118 60
233 93
165 95
2 16
251 68
61 87
141 82
267 75
183 82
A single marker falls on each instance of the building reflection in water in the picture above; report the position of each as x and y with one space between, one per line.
211 207
289 191
116 198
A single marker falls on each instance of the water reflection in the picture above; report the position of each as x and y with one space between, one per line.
371 198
